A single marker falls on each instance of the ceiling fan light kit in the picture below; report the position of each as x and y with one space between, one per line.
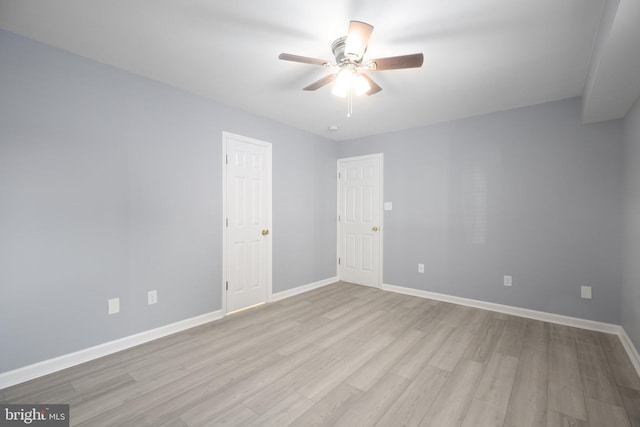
349 68
348 79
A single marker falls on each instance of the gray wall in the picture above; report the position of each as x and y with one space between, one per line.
110 185
631 282
529 192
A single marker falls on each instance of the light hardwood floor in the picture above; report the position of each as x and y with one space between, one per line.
349 355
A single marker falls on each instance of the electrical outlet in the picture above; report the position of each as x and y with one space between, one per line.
152 297
585 292
114 305
420 268
508 281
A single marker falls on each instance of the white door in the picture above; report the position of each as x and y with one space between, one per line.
360 220
247 207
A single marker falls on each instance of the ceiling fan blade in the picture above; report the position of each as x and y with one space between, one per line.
357 39
374 86
398 62
323 81
303 59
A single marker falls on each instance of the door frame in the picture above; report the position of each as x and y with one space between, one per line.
379 156
267 145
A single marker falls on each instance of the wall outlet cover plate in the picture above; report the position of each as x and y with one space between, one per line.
114 305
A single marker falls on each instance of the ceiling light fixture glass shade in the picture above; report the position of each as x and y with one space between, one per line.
360 85
348 80
344 82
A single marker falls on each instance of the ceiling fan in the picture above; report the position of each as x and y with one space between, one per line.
349 66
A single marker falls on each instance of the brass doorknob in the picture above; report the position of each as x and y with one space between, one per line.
375 228
265 232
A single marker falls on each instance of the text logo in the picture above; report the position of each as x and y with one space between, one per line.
34 415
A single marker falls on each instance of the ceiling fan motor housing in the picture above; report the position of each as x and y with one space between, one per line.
337 47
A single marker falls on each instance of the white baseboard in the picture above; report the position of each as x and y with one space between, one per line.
575 322
45 367
26 373
302 289
632 351
49 366
507 309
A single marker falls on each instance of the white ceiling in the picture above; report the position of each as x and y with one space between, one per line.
480 56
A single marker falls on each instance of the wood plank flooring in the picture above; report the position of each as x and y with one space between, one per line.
349 355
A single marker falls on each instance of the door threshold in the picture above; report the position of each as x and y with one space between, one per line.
246 308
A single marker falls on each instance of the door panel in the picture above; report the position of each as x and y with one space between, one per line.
359 214
248 213
367 253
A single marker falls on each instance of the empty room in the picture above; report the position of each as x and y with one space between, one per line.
358 213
